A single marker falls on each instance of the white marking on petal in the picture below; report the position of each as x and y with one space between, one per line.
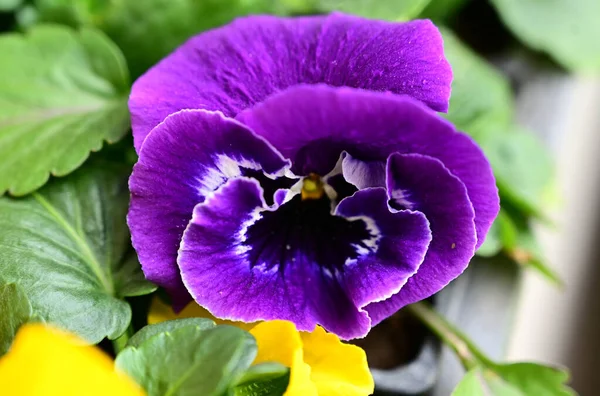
400 197
242 236
226 168
369 245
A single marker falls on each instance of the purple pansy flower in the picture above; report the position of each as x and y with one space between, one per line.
265 190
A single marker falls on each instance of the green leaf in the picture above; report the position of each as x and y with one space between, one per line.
16 310
74 13
63 93
189 360
265 379
377 9
522 166
148 30
441 10
9 5
484 376
536 379
566 29
65 244
130 281
150 331
518 379
480 94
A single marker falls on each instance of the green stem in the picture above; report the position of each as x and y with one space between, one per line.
469 355
121 342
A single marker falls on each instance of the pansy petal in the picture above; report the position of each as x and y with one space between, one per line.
279 341
263 281
236 66
313 125
44 361
405 237
337 369
185 158
363 174
423 183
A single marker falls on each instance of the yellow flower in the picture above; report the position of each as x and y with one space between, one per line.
320 364
44 361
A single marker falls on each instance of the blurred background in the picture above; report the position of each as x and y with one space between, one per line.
527 89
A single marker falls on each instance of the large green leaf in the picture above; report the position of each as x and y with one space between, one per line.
378 9
15 310
62 94
566 29
518 379
189 360
67 246
148 30
169 326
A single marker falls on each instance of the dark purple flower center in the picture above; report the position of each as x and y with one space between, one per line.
303 231
269 185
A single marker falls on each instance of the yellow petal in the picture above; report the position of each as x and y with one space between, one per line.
160 312
47 362
279 341
337 369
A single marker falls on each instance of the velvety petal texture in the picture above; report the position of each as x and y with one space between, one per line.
370 126
305 277
412 179
239 65
183 160
295 169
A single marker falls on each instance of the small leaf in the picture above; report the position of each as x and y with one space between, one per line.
480 94
63 93
441 10
391 10
66 245
481 382
9 5
189 360
164 327
16 310
485 377
265 379
536 379
566 29
526 171
130 281
518 379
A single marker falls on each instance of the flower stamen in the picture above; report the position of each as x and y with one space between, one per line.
312 187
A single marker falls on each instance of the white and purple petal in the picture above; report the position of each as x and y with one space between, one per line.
241 64
245 260
423 183
184 159
313 125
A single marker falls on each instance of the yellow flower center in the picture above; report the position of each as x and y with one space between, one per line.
312 187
